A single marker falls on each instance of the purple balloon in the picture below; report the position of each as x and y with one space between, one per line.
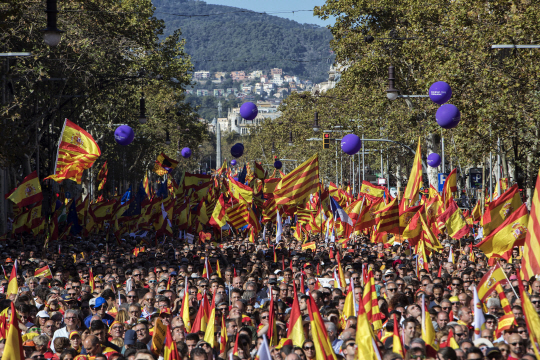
233 162
433 160
237 150
277 164
448 116
440 92
124 135
235 178
248 111
351 144
186 153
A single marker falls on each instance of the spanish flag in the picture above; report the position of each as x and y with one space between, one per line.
166 162
450 341
223 338
195 180
342 283
201 320
372 192
44 272
91 281
500 209
209 335
207 271
218 270
415 179
13 349
397 345
295 330
13 287
170 352
510 233
240 192
77 151
184 310
450 186
489 282
453 220
349 309
365 338
323 346
28 192
310 245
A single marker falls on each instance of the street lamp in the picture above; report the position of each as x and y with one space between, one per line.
273 148
167 138
391 92
51 34
142 109
316 122
290 139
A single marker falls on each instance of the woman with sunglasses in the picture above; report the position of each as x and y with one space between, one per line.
309 349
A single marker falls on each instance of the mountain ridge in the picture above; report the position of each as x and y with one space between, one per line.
226 38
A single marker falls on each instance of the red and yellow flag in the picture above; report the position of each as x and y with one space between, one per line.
529 262
450 186
170 351
397 345
209 335
299 184
371 302
13 349
529 312
365 338
489 282
372 192
102 176
500 209
28 192
295 330
415 179
510 233
77 151
91 280
44 272
453 220
13 287
388 218
184 309
201 320
323 346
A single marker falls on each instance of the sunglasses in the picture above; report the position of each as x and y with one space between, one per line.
309 348
393 289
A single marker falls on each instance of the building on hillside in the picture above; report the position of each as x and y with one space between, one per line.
232 91
283 90
290 79
255 74
201 75
247 89
238 75
334 75
264 79
202 92
219 92
277 81
220 75
267 110
189 91
276 71
223 124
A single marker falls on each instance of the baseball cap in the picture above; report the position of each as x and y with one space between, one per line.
42 314
99 301
92 302
307 265
130 337
73 333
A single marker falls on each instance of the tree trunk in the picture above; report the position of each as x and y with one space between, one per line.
529 181
432 145
398 173
504 164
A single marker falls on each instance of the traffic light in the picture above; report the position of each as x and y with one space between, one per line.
326 141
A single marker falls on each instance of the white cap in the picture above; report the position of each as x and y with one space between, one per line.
43 314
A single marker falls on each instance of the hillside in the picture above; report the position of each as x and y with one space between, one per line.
232 40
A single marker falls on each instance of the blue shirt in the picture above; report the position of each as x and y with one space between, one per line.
107 319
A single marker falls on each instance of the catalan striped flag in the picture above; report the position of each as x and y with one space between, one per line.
371 303
530 266
77 151
415 179
450 186
237 215
388 218
296 186
146 185
28 192
269 210
102 176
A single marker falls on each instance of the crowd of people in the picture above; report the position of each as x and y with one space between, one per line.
115 316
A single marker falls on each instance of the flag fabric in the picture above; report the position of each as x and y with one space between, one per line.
13 287
238 215
341 274
240 192
102 176
428 331
223 338
372 192
505 304
201 320
295 330
184 309
77 151
415 179
365 338
91 280
388 218
510 233
218 217
371 302
209 335
272 326
44 272
323 346
450 341
170 351
531 316
479 318
489 282
500 209
195 180
279 228
264 351
449 187
530 266
28 192
349 309
454 222
397 345
146 185
368 215
166 162
207 270
13 349
299 184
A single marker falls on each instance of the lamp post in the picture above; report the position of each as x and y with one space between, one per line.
273 148
51 34
391 92
167 138
290 139
316 123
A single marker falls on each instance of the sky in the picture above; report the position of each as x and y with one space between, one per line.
280 5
